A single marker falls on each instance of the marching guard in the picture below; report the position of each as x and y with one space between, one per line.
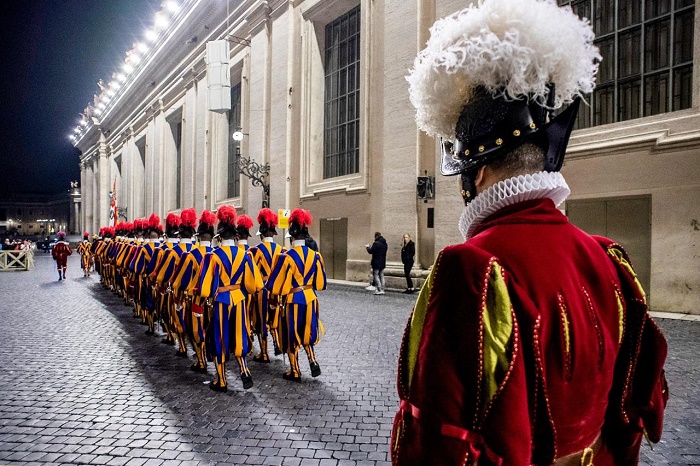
265 306
228 276
296 276
85 255
185 284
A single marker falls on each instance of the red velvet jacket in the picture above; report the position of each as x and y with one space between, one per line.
580 354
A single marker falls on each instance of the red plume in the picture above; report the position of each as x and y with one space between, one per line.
153 221
173 221
189 218
207 218
127 227
110 230
267 216
226 214
300 216
245 222
86 233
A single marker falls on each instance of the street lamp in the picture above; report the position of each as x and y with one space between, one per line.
258 174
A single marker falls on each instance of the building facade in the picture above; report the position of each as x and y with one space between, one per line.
317 90
35 216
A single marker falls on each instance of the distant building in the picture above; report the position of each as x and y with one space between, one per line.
316 89
34 215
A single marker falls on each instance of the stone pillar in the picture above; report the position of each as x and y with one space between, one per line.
103 183
82 224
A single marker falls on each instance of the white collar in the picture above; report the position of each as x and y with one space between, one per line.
520 188
242 241
228 242
268 239
173 240
298 242
186 240
205 243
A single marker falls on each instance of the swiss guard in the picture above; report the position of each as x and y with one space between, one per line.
296 276
169 263
142 266
265 307
531 343
60 254
228 276
185 284
85 255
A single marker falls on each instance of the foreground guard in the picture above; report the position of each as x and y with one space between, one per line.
296 276
60 254
530 343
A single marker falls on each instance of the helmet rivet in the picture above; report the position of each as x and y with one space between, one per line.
466 151
516 132
499 141
533 125
481 148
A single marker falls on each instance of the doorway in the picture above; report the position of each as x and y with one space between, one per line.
334 246
625 220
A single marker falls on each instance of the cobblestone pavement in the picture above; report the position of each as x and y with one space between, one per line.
82 384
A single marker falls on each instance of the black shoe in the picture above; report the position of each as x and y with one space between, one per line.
261 358
277 351
59 278
181 354
247 380
315 369
150 332
166 341
196 368
218 388
289 376
407 291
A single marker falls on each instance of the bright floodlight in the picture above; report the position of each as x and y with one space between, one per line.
134 59
237 136
121 77
141 47
114 85
128 68
98 111
151 35
105 98
172 6
76 130
161 21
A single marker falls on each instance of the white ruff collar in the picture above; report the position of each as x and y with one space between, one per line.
511 191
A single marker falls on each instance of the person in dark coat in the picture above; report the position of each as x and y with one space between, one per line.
408 251
378 251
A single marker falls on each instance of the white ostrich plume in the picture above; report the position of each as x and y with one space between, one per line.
511 47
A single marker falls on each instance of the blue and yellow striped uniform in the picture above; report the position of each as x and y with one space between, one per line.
264 256
228 276
296 276
184 283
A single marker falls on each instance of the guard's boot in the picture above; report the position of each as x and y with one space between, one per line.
313 364
294 373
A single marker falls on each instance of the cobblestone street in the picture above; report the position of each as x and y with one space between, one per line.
82 384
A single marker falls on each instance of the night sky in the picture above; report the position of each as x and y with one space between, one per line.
53 54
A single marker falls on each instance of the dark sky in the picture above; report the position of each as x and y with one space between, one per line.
53 53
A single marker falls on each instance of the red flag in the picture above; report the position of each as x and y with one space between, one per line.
113 209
